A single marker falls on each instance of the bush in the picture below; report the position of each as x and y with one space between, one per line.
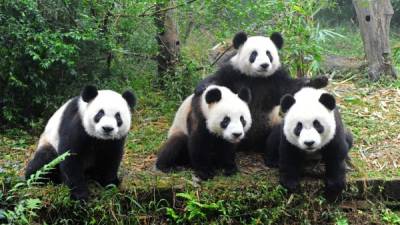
52 48
49 49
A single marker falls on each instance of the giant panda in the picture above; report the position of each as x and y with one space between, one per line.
93 128
312 129
257 66
205 132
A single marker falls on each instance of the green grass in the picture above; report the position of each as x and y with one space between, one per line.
350 45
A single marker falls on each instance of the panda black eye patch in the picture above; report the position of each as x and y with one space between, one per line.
118 118
225 122
317 125
98 116
298 129
253 56
270 56
243 121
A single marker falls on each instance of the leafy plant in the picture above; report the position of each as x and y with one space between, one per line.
390 217
26 207
341 221
195 210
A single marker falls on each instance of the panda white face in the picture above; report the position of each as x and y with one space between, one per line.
309 122
107 115
257 55
227 114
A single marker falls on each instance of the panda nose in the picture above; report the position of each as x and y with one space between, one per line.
236 135
108 129
309 143
264 65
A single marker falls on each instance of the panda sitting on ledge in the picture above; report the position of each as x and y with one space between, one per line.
206 131
93 128
312 128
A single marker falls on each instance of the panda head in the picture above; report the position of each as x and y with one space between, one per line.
257 55
106 114
309 121
227 114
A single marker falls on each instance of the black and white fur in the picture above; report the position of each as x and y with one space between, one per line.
205 132
257 66
312 128
93 128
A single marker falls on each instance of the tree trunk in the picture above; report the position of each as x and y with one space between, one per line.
168 42
374 20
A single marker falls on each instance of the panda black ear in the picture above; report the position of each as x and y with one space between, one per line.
89 92
130 98
213 95
245 95
239 39
328 101
277 39
286 102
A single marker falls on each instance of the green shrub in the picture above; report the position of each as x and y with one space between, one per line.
52 48
49 49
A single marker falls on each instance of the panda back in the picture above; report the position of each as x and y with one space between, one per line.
51 132
179 124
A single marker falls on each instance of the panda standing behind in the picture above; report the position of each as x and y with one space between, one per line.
257 66
312 128
205 132
93 128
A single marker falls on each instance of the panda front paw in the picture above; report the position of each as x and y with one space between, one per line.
271 163
80 195
291 185
318 82
333 190
231 171
204 175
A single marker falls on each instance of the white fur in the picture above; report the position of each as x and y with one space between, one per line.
111 102
261 45
230 105
306 109
180 120
50 134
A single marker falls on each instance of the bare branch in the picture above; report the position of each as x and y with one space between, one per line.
166 9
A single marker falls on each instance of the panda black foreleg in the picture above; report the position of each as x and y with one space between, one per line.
226 158
200 148
107 165
44 155
335 167
335 178
271 151
290 161
74 177
173 153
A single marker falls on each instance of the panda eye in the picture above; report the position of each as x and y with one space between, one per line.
118 118
98 116
317 125
269 56
242 121
253 56
298 129
225 122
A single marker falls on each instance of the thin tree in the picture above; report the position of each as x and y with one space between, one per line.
167 39
374 20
